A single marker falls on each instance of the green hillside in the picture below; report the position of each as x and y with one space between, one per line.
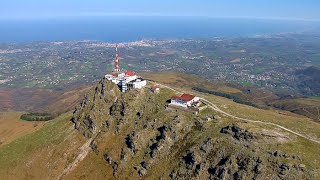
134 136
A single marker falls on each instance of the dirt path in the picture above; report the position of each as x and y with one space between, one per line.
84 150
215 107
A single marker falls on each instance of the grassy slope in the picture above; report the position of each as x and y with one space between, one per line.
181 80
303 125
316 97
112 144
307 106
46 152
294 122
299 124
296 145
261 98
38 100
12 127
306 149
41 154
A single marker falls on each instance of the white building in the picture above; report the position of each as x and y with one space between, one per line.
139 83
130 76
127 78
185 100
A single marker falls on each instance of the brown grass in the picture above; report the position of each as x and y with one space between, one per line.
39 100
11 127
42 154
183 82
6 102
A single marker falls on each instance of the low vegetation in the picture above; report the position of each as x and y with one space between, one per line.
12 127
138 138
229 96
33 116
40 154
251 96
133 136
42 100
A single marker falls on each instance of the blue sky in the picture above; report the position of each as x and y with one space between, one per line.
275 9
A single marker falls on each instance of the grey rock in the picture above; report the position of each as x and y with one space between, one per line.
237 133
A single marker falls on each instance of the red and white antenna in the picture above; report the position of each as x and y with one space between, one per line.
116 64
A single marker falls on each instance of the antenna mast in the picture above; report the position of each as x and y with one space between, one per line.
116 64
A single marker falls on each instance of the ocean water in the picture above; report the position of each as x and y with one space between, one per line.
123 29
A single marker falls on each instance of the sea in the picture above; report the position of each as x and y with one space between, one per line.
128 28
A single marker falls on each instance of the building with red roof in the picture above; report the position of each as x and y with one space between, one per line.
130 73
125 79
184 100
130 76
155 88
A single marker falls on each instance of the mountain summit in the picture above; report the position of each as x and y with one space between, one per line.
136 136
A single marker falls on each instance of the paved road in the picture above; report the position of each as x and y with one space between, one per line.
215 107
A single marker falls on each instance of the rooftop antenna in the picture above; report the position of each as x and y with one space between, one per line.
116 64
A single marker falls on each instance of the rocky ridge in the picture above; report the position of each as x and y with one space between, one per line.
138 138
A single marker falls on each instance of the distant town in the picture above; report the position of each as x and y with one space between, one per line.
269 62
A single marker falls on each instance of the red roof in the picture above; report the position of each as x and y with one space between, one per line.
130 73
155 87
175 97
187 97
184 97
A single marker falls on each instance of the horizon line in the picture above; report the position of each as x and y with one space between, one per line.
48 17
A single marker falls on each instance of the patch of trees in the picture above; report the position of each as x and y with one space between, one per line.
34 116
229 96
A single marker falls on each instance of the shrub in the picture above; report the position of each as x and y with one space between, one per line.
36 116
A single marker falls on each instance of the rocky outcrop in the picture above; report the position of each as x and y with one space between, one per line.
87 117
139 139
210 160
130 142
111 162
237 167
237 133
158 140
